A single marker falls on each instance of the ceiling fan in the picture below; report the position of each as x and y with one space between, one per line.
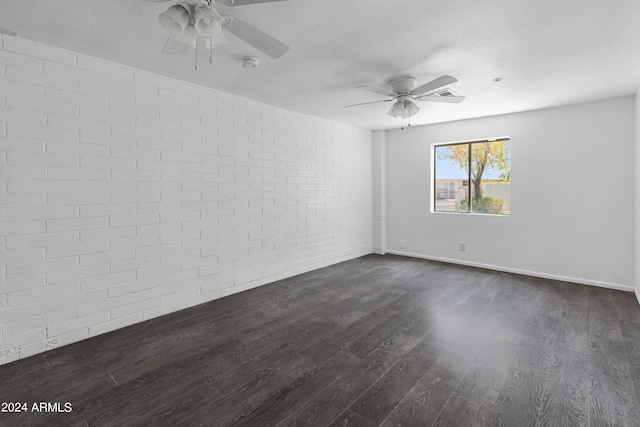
404 92
186 20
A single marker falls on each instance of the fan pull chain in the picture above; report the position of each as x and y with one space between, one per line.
211 54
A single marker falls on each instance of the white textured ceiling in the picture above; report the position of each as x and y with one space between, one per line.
548 52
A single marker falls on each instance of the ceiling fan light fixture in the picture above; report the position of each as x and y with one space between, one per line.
176 19
403 108
208 24
189 20
397 109
404 94
410 108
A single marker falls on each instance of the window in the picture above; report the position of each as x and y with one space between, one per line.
473 177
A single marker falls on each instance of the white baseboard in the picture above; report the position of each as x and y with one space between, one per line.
580 281
637 292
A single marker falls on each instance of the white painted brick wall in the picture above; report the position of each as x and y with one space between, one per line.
125 196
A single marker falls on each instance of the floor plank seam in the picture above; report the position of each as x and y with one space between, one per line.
392 365
361 417
114 380
435 420
629 357
338 416
302 406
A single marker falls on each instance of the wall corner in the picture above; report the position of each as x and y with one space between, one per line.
636 184
379 139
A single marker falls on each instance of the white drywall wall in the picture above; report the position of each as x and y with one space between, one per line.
572 195
637 197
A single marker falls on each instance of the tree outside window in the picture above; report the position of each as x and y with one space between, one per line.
486 165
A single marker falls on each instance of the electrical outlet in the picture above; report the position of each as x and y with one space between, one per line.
463 246
401 244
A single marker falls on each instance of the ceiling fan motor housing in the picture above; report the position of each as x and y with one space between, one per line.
403 85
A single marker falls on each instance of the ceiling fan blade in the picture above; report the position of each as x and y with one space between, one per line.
433 84
377 90
435 98
175 47
263 42
372 102
243 2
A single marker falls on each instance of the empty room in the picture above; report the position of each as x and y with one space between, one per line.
330 213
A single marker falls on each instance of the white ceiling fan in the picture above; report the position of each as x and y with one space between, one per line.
188 20
404 91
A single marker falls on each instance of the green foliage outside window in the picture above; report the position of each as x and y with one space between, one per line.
488 205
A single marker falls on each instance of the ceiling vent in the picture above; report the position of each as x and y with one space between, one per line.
445 92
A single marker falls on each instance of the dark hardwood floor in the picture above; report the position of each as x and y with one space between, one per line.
376 341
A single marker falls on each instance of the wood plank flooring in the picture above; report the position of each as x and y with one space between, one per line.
375 341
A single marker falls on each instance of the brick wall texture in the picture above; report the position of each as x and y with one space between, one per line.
126 195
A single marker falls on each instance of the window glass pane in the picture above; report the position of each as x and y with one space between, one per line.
490 177
480 184
451 177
